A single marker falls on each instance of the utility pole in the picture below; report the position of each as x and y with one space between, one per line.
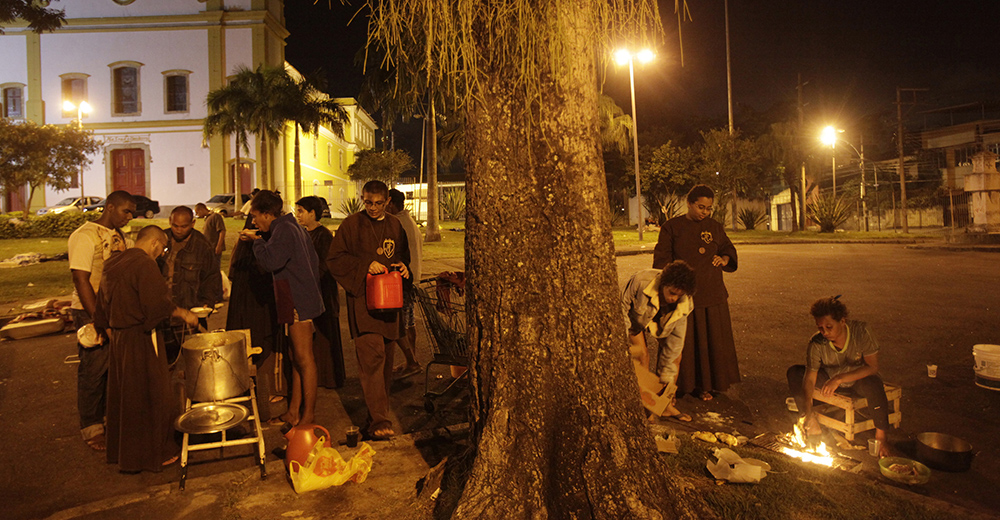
802 212
864 203
899 142
729 76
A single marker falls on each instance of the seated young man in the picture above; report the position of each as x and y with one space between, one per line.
843 354
659 301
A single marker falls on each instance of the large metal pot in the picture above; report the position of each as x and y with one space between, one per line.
944 452
215 366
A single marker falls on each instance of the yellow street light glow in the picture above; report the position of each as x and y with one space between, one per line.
622 56
829 136
69 106
85 107
645 56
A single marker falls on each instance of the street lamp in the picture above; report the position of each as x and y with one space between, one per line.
623 56
81 108
829 137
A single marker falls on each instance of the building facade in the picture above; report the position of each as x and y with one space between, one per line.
145 69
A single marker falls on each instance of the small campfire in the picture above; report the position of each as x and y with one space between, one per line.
794 445
799 448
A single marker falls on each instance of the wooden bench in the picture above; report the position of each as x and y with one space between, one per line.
827 414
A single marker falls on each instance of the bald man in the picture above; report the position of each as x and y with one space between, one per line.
131 302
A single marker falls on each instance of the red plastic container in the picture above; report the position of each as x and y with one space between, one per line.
384 291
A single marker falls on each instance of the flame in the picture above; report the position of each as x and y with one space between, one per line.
800 450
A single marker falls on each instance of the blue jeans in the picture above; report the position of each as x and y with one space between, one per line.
91 381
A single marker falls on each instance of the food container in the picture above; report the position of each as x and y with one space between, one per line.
215 366
944 452
918 474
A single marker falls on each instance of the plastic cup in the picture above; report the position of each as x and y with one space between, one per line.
874 446
931 370
353 434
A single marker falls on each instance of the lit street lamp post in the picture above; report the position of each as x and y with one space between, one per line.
829 137
82 108
644 56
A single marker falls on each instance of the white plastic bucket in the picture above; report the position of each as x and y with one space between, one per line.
987 366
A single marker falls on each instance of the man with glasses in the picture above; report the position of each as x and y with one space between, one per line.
371 242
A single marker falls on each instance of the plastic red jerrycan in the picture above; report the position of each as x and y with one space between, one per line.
301 440
384 291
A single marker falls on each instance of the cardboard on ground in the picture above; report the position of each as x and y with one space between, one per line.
650 389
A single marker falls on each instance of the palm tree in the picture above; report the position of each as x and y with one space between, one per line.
616 125
253 98
306 105
226 118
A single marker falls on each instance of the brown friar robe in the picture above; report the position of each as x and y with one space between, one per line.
131 302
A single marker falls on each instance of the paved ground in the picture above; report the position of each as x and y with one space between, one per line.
924 305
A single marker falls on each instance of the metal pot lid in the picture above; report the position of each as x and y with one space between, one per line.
211 417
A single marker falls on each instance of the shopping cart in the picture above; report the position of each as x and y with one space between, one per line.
442 302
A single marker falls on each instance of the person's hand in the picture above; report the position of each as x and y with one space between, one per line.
830 386
189 318
720 261
402 269
249 235
812 425
376 268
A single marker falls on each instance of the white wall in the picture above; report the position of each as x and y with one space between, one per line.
108 8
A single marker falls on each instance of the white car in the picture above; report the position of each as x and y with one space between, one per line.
69 204
224 204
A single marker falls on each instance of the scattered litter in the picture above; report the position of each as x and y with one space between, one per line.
731 467
669 445
716 419
24 259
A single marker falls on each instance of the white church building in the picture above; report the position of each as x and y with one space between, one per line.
145 67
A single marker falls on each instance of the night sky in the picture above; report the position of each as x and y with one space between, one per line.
852 53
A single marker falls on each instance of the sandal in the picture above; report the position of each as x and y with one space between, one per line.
383 432
98 442
705 395
404 371
170 461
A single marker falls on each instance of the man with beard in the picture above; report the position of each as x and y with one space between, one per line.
89 247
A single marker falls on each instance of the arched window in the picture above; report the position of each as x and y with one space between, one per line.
125 88
175 91
12 100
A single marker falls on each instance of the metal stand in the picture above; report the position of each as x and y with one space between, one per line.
258 438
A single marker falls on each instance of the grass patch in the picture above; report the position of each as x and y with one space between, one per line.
792 490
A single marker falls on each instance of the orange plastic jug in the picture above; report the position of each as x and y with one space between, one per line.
301 440
384 291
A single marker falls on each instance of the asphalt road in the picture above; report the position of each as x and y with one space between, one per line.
924 306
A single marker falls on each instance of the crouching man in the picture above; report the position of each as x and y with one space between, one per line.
659 301
843 354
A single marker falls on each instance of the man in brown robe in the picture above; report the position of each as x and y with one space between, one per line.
370 242
131 302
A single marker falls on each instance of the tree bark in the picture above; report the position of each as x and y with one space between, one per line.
555 409
433 232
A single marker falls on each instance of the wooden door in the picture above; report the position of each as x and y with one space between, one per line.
129 171
16 199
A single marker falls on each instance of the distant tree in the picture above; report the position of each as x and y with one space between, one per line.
304 103
37 155
616 125
39 16
381 165
666 170
730 163
781 150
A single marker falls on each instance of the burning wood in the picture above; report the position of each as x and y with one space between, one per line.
800 449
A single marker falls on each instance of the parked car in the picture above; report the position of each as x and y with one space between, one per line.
144 206
68 205
223 203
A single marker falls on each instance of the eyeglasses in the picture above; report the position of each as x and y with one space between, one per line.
377 203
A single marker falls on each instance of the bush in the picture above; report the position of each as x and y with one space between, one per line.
351 206
752 217
453 204
829 212
14 225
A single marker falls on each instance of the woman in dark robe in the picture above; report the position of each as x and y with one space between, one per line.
327 347
251 306
708 361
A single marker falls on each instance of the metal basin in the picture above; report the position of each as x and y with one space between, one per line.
944 452
215 366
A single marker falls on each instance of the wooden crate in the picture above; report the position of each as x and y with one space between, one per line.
827 414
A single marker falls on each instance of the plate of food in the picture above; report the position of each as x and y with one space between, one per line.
202 312
905 471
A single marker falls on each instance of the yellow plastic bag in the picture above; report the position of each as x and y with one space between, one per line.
326 468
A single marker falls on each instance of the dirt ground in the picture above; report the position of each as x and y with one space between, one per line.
924 306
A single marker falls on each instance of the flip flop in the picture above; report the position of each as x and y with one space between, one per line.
406 372
98 442
171 460
683 417
705 396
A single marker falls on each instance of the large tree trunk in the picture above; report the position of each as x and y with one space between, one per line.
555 407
